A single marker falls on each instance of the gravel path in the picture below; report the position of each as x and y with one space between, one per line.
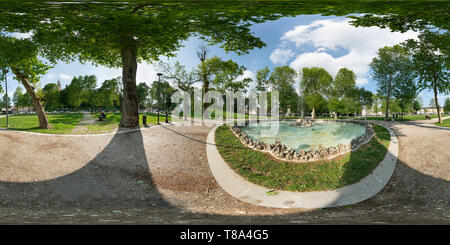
160 175
88 119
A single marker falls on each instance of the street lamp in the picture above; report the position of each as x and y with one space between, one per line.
159 92
5 71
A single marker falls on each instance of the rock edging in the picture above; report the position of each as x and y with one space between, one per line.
281 152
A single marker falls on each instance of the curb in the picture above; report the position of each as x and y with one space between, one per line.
240 188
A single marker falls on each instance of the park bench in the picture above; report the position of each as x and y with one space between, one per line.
102 117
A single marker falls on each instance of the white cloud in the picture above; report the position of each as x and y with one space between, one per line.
360 44
51 76
280 56
247 74
21 35
146 73
63 76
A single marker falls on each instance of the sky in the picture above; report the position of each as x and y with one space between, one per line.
304 41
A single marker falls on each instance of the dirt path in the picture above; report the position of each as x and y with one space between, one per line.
160 175
88 119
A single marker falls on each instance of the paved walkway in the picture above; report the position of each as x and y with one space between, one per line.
160 175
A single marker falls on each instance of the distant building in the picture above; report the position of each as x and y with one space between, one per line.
370 112
58 85
429 110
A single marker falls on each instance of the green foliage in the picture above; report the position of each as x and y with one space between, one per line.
447 105
431 61
51 98
392 69
315 84
177 74
262 79
160 93
143 91
344 83
226 74
416 105
22 55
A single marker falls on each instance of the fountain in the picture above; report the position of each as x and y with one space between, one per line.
323 140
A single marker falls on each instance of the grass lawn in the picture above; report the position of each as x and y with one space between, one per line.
113 119
445 123
60 123
262 169
65 123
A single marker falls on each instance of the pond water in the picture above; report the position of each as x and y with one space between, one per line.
323 134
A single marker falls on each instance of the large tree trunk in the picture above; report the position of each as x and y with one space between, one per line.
313 113
42 116
437 102
130 113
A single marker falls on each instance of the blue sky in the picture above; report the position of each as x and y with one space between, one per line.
302 41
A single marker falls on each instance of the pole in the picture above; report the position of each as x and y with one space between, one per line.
7 101
159 93
7 97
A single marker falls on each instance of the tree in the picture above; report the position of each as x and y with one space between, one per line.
51 96
348 105
75 92
447 105
262 79
6 101
226 74
344 82
315 83
416 105
88 85
364 98
177 74
391 65
282 79
431 63
17 98
334 105
21 57
121 35
160 92
143 91
405 92
344 85
110 91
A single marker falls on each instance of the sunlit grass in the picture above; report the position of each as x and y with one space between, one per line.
59 123
445 123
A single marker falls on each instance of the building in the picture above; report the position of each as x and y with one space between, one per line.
365 112
58 85
429 110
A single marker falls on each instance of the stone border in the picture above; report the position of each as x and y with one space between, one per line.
281 152
240 188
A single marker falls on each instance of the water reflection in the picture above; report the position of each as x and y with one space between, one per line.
323 134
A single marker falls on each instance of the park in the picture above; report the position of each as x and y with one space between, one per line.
243 112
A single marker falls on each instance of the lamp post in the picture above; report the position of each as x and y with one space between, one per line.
159 92
5 71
